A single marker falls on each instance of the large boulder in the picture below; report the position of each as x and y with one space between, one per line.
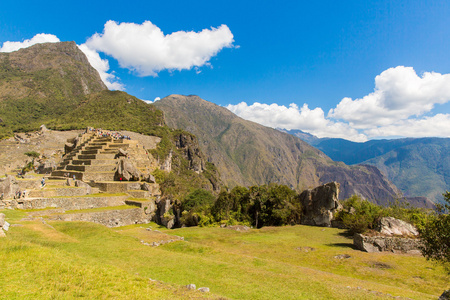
71 144
391 226
2 219
127 171
8 186
46 166
163 214
445 295
391 235
386 243
320 204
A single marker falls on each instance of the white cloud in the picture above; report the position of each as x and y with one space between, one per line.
395 108
145 49
399 94
37 39
102 67
280 116
435 126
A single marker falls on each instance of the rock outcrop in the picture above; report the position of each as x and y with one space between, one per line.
391 226
189 144
8 187
127 171
320 204
386 243
392 235
4 226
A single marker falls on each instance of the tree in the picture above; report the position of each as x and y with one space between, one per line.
435 234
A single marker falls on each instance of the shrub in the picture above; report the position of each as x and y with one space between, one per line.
435 234
359 215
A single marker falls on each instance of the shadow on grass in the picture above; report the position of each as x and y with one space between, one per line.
346 234
343 245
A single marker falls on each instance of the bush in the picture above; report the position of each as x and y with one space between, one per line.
359 215
435 234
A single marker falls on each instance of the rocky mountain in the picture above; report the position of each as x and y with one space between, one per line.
417 166
54 84
56 75
247 153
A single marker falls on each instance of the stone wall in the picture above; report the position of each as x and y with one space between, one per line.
110 218
69 203
387 243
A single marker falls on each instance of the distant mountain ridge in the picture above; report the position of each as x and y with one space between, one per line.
247 153
417 166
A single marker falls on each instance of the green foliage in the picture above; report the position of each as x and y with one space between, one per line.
435 234
359 215
198 199
196 208
266 205
32 154
404 211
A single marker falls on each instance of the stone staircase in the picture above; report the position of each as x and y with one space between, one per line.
83 187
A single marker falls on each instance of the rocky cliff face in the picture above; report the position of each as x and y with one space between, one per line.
247 153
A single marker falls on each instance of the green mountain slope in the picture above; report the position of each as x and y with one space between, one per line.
247 153
417 166
54 84
42 82
421 168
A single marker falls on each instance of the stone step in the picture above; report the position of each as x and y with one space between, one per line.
118 145
95 151
67 174
117 186
139 193
90 147
55 182
73 203
93 162
58 192
91 168
96 156
99 176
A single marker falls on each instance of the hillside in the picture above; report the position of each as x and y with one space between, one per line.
42 82
54 84
247 153
417 166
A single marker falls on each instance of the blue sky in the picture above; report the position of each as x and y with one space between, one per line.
287 64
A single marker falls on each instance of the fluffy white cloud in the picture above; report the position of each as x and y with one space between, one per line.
435 126
102 67
280 116
395 108
399 94
145 49
37 39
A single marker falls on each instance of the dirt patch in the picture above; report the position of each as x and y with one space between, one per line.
380 265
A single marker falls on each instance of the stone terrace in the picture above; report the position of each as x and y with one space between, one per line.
86 180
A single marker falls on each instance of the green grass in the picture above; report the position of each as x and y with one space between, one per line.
270 263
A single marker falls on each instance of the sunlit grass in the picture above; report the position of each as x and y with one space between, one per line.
297 262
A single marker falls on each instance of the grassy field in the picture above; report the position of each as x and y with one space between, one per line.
65 260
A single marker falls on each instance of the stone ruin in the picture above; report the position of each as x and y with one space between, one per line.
392 235
97 170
